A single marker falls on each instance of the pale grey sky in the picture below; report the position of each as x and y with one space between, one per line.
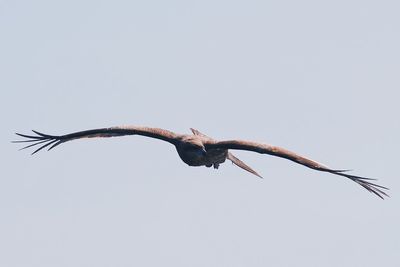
320 78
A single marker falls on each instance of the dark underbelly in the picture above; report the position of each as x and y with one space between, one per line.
215 156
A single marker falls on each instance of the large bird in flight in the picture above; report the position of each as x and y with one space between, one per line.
198 149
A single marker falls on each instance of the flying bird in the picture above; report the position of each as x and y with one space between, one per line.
198 149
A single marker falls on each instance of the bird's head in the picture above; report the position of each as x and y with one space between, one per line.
196 147
194 144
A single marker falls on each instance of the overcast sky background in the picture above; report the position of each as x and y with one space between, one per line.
320 78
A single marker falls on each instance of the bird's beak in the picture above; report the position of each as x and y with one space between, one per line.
204 151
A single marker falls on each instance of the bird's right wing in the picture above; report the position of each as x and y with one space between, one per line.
284 153
52 141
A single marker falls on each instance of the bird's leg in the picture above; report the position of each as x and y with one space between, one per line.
216 165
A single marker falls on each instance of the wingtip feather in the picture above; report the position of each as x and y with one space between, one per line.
39 139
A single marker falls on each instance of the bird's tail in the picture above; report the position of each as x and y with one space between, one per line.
241 164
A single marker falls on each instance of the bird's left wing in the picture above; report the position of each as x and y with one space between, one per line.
52 141
284 153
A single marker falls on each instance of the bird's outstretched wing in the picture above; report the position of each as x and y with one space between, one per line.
283 153
51 141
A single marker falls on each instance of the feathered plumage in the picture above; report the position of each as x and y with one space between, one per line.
198 150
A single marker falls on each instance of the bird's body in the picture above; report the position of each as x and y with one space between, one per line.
198 149
191 150
213 157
